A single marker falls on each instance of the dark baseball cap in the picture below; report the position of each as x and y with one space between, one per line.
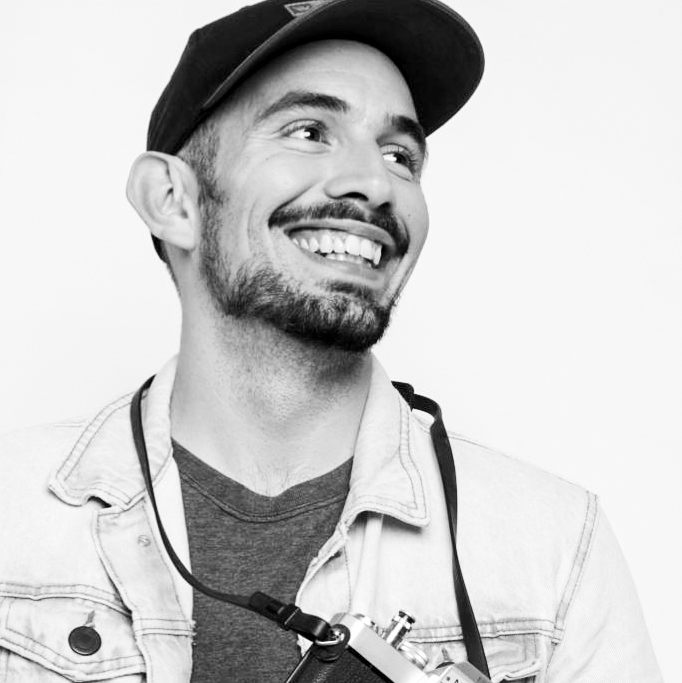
437 52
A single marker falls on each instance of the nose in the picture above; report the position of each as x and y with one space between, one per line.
359 173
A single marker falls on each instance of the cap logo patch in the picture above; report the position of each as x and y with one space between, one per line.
296 9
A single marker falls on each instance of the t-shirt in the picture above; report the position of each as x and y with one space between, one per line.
241 542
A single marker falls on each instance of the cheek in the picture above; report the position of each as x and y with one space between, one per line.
417 219
260 187
278 179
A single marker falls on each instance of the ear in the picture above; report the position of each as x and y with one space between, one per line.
164 191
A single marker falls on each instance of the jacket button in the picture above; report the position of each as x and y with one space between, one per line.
84 640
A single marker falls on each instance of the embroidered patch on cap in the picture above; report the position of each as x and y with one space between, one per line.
296 9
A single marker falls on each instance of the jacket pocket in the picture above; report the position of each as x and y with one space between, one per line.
50 639
510 657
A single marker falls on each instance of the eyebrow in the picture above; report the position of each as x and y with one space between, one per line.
301 99
411 127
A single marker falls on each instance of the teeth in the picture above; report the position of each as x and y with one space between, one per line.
346 257
366 249
342 247
353 245
326 244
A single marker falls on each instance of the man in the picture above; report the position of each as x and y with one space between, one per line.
281 187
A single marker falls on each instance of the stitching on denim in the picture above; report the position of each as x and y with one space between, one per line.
380 505
60 655
111 569
159 556
520 652
143 620
536 651
100 486
62 666
163 560
349 596
405 436
67 468
376 500
525 679
579 562
99 489
90 431
125 597
24 637
498 629
48 591
371 502
158 631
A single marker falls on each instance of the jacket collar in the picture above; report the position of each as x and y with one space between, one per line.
386 477
103 462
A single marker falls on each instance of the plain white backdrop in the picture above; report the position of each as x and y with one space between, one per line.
545 315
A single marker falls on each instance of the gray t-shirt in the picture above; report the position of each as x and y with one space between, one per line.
241 542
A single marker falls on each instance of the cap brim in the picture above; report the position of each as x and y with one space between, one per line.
435 49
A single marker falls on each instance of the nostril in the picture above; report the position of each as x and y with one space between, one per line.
357 196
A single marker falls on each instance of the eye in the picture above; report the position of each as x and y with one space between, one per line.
402 157
312 131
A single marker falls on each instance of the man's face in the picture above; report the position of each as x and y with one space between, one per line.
320 214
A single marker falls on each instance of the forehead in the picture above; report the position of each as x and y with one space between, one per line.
355 72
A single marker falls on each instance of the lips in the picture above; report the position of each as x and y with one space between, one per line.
344 231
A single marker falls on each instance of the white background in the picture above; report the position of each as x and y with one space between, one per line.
545 315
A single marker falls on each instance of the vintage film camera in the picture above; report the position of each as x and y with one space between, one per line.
364 653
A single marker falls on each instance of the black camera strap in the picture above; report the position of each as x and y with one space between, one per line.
289 616
446 464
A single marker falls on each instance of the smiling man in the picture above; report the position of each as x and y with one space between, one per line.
314 248
281 186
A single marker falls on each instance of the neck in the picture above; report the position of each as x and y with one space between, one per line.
266 409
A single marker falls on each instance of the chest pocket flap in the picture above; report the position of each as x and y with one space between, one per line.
510 657
53 638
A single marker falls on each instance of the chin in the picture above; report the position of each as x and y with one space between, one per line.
338 321
341 315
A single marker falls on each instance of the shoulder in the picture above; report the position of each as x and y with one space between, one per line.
512 479
541 526
33 448
510 510
35 453
493 479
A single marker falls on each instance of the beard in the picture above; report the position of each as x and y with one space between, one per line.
346 317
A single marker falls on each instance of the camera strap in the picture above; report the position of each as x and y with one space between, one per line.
446 465
289 616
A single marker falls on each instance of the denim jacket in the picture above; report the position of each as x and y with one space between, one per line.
79 548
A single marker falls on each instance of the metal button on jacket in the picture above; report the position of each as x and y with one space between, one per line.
84 640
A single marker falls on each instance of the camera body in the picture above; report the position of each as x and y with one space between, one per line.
363 653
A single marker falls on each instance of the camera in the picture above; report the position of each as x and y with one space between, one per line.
361 652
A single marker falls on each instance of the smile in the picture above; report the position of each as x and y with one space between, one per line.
339 246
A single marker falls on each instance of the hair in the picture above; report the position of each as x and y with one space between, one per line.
199 152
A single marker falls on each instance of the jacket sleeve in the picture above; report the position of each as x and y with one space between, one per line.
604 638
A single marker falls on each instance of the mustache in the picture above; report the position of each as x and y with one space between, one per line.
384 219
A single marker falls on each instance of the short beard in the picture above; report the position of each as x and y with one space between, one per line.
346 318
